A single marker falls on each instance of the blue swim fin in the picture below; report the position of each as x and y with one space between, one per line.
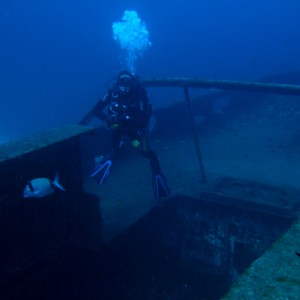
160 187
102 171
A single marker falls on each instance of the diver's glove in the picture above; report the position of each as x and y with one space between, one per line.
112 121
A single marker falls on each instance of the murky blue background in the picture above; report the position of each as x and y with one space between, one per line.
56 55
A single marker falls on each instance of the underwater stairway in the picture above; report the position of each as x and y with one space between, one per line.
65 246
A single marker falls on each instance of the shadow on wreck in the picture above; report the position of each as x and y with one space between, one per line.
184 248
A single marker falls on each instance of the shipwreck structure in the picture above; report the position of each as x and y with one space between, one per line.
235 205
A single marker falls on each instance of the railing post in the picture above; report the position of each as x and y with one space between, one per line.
195 135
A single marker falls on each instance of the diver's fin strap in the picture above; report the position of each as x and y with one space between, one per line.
103 170
161 188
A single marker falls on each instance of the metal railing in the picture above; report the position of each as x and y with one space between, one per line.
186 83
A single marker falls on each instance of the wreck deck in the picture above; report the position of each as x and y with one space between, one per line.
251 161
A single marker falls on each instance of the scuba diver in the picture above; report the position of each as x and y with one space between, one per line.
126 110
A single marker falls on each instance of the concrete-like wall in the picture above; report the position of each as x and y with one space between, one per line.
36 231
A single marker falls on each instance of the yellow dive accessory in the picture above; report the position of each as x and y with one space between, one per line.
135 143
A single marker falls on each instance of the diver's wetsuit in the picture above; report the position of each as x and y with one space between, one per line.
128 114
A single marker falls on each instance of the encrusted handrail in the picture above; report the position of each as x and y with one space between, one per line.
276 88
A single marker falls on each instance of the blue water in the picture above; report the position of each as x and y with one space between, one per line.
56 55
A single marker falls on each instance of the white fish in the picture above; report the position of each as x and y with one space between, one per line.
41 187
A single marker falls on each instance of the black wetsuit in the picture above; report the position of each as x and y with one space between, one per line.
128 114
